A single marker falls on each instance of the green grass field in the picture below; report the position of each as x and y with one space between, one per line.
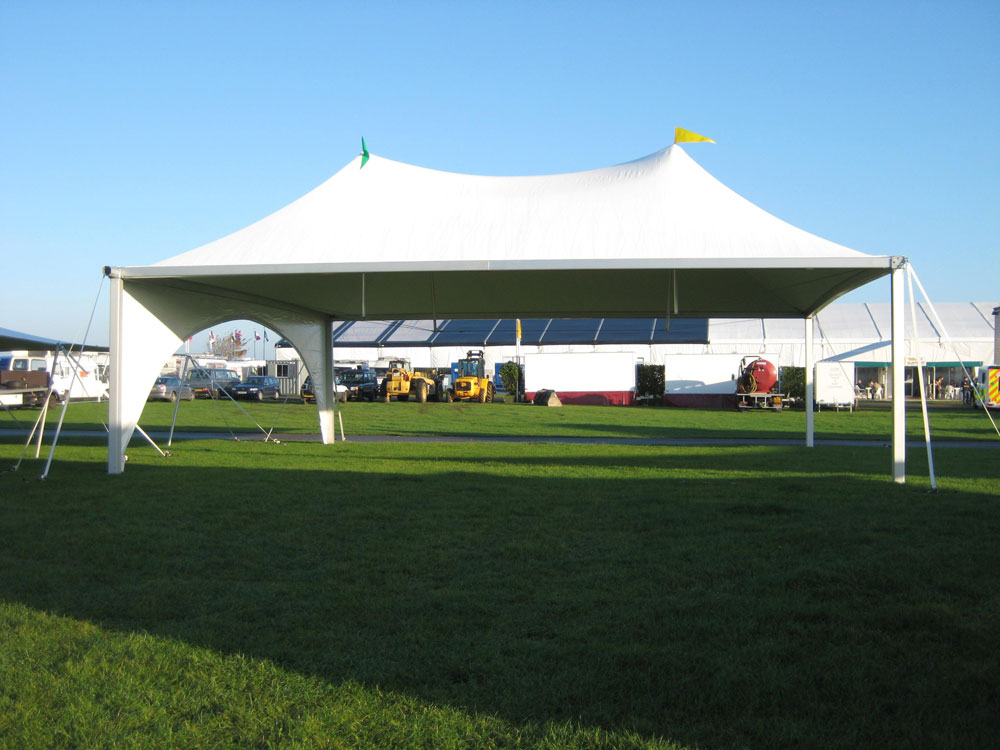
497 419
452 595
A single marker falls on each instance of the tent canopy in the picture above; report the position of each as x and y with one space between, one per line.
16 340
651 237
656 237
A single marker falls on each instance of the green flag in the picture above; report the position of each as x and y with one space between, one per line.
364 152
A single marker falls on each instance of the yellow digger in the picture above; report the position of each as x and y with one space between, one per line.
473 383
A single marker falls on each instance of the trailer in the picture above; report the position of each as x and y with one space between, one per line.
598 378
835 387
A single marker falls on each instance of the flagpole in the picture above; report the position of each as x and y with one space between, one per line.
517 358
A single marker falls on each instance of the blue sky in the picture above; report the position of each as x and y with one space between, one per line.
132 132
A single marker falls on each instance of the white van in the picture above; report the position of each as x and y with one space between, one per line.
87 384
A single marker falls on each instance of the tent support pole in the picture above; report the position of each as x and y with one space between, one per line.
333 380
672 307
434 304
898 373
75 363
150 441
944 332
177 403
116 451
810 416
920 377
42 417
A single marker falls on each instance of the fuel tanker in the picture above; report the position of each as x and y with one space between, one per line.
756 385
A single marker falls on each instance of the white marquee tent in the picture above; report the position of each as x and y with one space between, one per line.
700 353
385 240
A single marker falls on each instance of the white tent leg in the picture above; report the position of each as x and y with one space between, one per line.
327 410
116 451
810 417
898 378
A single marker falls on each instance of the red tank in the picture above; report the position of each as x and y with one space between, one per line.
759 376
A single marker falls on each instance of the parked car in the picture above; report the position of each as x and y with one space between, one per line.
210 382
257 387
360 383
309 396
170 389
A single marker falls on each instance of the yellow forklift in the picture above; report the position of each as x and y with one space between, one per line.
473 383
400 382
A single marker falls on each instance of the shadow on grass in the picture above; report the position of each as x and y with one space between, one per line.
785 611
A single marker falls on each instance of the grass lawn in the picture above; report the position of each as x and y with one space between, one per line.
247 594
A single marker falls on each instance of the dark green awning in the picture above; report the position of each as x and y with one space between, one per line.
929 364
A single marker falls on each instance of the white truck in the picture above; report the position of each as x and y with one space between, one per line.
987 386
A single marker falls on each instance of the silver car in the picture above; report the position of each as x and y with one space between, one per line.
170 389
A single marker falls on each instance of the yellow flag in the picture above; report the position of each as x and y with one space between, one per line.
686 136
518 324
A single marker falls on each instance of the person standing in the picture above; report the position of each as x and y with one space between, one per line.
966 391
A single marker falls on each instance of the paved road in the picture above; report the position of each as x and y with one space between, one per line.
161 437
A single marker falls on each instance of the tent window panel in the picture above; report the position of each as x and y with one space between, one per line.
465 332
411 332
572 331
682 331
